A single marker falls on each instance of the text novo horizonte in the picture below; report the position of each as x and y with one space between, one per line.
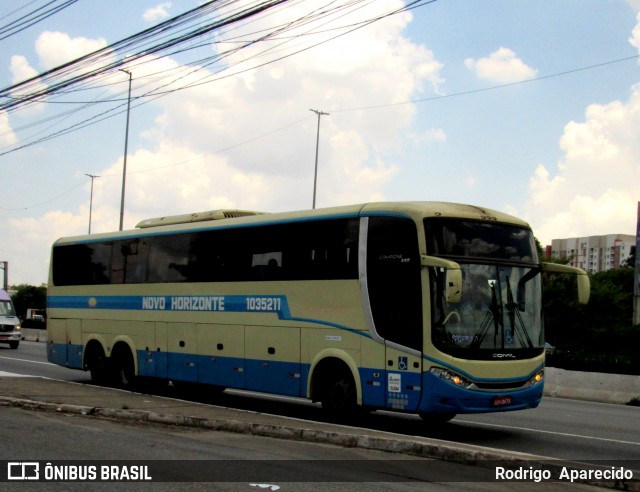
184 303
236 304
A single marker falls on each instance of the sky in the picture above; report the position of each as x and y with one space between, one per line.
530 108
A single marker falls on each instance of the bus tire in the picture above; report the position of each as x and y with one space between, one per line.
123 371
97 364
337 390
436 418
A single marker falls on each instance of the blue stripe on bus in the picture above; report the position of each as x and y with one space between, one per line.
428 392
276 304
180 303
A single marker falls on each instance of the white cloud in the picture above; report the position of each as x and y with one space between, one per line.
429 136
20 69
502 66
157 13
262 119
53 49
635 4
597 184
635 34
31 264
7 137
56 48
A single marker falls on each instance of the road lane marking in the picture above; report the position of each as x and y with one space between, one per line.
26 360
566 434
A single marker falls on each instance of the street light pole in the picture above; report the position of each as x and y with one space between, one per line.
92 176
5 266
126 145
315 173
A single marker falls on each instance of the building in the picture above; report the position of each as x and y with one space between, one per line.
594 253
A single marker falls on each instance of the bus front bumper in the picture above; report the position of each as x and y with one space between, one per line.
443 397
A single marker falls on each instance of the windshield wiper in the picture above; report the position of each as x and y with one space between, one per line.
493 314
514 315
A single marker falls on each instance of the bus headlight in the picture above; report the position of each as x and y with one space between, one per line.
450 377
536 378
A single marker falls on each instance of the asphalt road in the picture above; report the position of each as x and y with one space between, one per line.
559 428
200 459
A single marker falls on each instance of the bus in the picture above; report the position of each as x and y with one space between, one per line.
421 307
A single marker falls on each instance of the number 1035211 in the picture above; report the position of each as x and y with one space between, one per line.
263 304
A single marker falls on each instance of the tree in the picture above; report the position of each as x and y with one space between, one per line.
631 259
599 336
29 297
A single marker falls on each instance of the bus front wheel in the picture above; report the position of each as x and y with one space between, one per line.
338 393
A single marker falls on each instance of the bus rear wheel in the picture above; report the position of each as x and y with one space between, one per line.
97 364
123 372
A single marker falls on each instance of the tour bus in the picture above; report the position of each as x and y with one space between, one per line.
422 307
9 322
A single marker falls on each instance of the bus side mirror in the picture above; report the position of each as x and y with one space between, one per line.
584 288
584 285
453 276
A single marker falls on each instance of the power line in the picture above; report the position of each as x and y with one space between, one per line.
152 92
32 18
39 204
491 88
362 108
102 60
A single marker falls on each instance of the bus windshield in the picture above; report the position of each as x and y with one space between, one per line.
499 313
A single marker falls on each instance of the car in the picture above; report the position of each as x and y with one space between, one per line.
9 322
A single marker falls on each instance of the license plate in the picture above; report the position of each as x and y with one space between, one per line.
4 337
501 401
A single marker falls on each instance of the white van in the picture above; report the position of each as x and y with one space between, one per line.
9 322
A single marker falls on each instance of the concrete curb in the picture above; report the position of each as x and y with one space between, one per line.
424 448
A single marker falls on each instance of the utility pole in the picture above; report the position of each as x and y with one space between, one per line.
5 266
126 146
636 274
315 173
92 176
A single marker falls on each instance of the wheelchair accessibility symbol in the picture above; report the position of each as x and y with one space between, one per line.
403 363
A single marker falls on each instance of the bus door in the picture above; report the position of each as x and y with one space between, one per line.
403 379
394 286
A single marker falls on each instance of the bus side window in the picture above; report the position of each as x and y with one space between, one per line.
82 264
129 261
169 258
